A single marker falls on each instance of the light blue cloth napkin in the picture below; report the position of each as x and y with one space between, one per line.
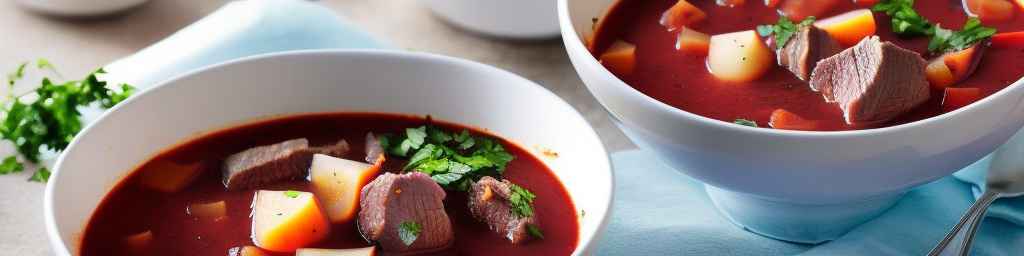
658 211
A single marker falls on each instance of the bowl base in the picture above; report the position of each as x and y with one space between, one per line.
794 222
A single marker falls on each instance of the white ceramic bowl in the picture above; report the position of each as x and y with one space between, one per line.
80 8
525 19
793 185
326 81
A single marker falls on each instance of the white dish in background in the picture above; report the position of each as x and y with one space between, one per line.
522 19
80 8
327 81
793 185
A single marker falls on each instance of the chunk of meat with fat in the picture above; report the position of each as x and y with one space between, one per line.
393 199
267 164
808 46
872 81
489 203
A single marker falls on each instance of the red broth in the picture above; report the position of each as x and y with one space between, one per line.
130 208
683 81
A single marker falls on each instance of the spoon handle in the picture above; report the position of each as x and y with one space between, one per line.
975 222
961 235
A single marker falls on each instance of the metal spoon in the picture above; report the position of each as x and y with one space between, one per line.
1005 179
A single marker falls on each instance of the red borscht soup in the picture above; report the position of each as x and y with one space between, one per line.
338 184
822 65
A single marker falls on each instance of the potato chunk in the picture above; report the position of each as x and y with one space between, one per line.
167 176
366 251
284 221
337 182
738 57
208 211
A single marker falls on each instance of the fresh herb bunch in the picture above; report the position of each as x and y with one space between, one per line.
453 160
905 20
47 118
783 30
944 40
521 201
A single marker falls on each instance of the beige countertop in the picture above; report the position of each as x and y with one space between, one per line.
79 46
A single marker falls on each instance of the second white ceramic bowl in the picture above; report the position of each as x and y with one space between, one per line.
522 19
327 81
793 185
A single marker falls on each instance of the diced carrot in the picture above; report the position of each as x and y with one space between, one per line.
772 3
785 120
336 182
956 98
366 251
939 75
214 211
800 9
693 42
247 251
1008 39
681 14
730 3
284 221
620 58
167 176
139 243
865 3
962 63
990 10
849 28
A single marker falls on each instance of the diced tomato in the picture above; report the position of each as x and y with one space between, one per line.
939 75
800 9
785 120
620 58
865 3
1009 39
730 3
693 42
775 3
682 14
990 10
956 98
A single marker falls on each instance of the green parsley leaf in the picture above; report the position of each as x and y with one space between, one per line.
745 122
534 231
521 201
292 194
41 175
453 160
905 20
437 135
11 165
465 141
944 40
409 231
783 30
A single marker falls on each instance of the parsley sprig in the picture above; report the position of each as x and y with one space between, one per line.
409 231
907 22
453 160
47 118
783 30
944 40
521 201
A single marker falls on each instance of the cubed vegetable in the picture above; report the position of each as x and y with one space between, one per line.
956 98
1009 39
739 56
990 10
772 3
247 251
336 182
693 42
865 3
785 120
620 58
730 3
849 28
366 251
800 9
682 14
167 176
139 243
939 75
962 63
214 211
284 221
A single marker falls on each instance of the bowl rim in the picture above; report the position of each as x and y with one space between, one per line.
570 36
585 242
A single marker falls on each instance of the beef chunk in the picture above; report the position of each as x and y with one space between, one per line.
267 164
489 203
872 81
393 199
805 49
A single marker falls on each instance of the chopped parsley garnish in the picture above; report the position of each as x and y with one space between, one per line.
521 201
905 20
783 30
47 118
11 165
453 160
291 194
534 231
944 40
745 122
409 231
